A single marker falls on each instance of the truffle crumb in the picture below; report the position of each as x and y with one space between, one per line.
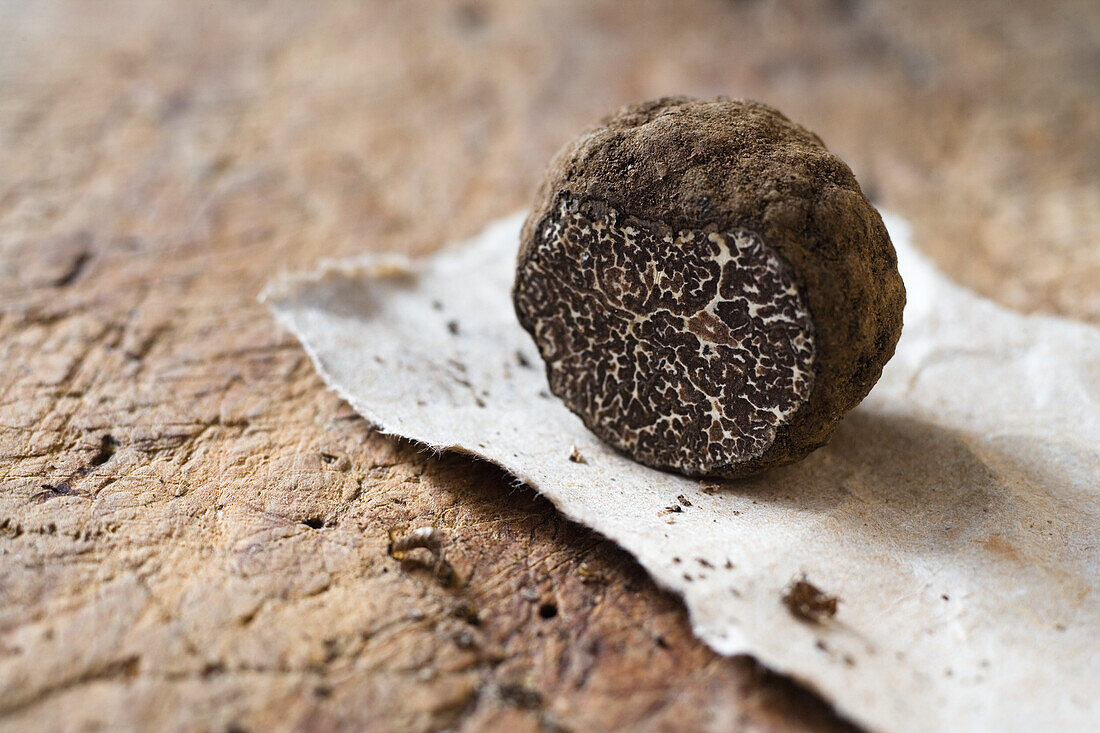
428 538
809 603
575 456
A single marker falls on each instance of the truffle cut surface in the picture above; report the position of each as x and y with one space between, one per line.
687 349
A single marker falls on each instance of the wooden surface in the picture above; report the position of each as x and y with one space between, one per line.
193 532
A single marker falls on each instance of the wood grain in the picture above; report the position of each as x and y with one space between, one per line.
193 532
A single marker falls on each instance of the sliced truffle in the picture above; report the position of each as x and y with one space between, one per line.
707 285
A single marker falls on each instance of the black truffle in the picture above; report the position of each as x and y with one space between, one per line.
707 285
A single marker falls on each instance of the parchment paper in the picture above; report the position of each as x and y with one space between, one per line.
955 514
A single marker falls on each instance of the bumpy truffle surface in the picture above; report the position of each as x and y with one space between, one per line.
707 285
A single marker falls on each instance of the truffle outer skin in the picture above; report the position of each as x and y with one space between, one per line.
738 164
